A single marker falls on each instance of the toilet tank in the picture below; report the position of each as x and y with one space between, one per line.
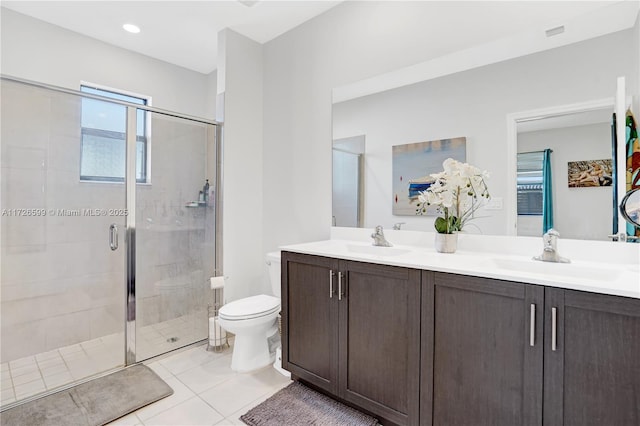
273 264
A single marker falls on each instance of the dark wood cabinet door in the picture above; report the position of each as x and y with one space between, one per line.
592 372
310 319
379 359
481 357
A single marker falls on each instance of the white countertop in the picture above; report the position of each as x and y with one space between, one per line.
615 272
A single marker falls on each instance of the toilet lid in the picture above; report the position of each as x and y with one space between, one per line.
250 307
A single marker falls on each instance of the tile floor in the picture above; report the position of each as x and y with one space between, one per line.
28 376
31 375
206 391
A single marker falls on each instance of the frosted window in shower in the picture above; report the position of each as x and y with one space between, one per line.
104 137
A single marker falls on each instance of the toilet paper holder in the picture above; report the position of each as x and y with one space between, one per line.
217 335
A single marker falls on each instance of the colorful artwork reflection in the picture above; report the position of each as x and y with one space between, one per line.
590 173
412 165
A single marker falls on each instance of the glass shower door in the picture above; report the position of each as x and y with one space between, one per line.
175 235
62 242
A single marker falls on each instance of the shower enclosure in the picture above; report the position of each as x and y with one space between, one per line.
107 245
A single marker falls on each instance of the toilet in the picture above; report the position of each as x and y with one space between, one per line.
253 320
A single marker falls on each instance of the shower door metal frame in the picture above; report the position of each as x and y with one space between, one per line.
130 198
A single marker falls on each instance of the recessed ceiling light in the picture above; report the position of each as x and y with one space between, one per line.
131 28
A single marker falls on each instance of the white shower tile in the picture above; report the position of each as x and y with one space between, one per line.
70 349
193 411
51 363
26 378
23 362
14 344
59 379
24 371
6 383
7 397
28 389
47 356
91 344
82 368
53 370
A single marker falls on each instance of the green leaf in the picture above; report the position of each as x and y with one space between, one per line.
447 226
441 225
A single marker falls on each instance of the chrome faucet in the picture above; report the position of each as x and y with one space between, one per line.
398 226
379 239
550 251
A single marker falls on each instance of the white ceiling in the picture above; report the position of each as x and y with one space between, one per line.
183 33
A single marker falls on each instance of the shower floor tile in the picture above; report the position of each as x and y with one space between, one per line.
25 377
29 376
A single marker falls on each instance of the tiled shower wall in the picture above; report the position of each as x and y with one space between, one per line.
60 282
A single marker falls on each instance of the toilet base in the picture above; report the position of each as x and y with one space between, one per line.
250 352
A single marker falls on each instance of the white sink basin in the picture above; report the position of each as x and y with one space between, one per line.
569 270
376 251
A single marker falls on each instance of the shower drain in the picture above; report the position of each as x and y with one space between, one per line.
172 339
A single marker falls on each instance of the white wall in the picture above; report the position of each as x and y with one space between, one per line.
38 51
475 104
579 213
240 87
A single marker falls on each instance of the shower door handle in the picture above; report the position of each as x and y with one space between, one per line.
113 236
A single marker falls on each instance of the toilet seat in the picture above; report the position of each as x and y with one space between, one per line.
250 307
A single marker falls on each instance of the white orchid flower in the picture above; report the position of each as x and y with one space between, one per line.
458 191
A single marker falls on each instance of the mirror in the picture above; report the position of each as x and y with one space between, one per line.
348 181
475 103
630 207
577 177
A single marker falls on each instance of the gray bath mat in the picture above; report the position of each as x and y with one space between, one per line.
298 405
93 403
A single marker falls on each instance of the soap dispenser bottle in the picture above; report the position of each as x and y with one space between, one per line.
205 190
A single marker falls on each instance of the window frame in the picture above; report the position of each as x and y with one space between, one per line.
145 138
531 187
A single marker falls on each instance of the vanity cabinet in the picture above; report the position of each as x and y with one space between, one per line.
310 319
353 329
591 359
428 348
491 349
481 351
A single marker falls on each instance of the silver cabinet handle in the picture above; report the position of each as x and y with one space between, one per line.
554 329
331 274
113 236
339 285
532 325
